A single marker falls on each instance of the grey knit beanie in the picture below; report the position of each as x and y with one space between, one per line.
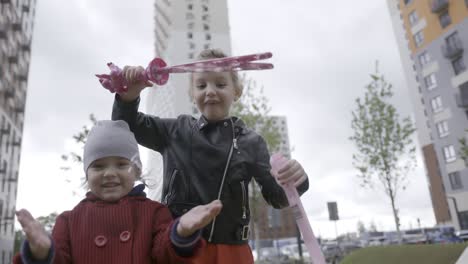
110 138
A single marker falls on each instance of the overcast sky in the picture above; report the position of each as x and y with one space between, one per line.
323 52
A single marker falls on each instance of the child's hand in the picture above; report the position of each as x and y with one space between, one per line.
135 86
198 217
39 240
293 172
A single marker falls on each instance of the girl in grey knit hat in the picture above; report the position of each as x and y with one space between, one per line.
115 223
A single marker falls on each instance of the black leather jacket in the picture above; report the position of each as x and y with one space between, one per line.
195 154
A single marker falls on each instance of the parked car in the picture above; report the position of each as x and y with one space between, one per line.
271 255
292 251
332 252
414 236
446 238
463 234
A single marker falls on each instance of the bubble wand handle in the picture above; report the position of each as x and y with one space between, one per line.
277 162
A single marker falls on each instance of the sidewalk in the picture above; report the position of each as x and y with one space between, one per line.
463 258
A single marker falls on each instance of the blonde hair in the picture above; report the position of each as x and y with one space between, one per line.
215 54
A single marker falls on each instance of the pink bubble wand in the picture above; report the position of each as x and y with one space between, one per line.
158 71
277 162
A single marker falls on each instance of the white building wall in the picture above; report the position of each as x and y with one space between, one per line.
183 29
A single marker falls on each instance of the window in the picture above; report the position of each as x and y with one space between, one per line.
418 38
190 25
413 18
205 8
464 214
445 19
189 35
442 128
458 65
206 27
208 37
206 46
436 104
452 39
424 58
189 16
449 154
455 180
430 81
190 6
407 2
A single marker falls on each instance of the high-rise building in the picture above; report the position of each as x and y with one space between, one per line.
16 25
277 224
432 36
183 29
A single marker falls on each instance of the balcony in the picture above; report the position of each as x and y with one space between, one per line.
463 99
13 59
438 6
17 26
25 8
453 49
3 31
25 44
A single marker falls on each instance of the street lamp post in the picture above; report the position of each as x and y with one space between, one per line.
456 210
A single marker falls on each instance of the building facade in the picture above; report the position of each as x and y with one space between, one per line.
432 36
274 224
183 29
16 26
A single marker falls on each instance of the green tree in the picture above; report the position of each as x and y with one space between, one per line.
80 138
385 149
463 149
361 227
254 110
47 222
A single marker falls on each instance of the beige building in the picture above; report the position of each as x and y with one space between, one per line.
432 36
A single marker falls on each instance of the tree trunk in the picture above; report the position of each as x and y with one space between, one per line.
253 218
395 216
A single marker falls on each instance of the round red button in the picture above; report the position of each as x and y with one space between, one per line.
100 241
125 236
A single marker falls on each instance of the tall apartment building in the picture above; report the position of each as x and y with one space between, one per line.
278 223
432 36
16 25
183 29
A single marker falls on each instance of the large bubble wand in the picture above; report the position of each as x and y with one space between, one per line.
277 162
158 71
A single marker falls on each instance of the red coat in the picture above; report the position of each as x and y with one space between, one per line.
133 230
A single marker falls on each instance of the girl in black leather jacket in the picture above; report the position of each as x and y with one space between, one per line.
212 157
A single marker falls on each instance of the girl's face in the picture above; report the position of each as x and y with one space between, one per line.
214 93
111 178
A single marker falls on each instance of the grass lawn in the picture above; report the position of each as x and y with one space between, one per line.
407 254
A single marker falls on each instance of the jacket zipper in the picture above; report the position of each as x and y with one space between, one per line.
169 189
244 199
231 150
